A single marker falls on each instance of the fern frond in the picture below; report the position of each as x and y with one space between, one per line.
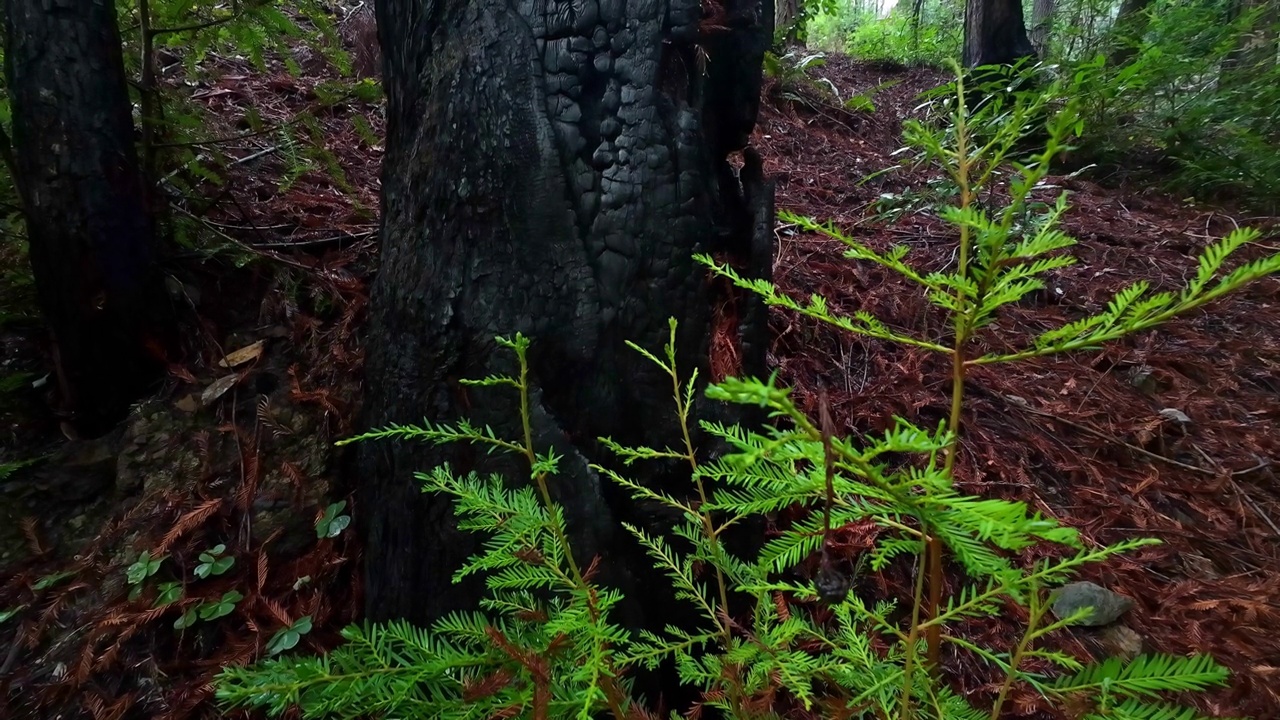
1145 676
1133 709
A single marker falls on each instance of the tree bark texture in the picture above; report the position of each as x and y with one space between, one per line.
995 33
83 195
1042 15
787 20
551 167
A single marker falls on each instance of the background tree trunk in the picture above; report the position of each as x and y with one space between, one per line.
550 169
786 19
1130 26
83 195
1255 51
995 33
1042 15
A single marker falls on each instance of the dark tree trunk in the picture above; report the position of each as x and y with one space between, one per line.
1126 35
87 221
1255 50
1042 15
787 20
995 33
550 169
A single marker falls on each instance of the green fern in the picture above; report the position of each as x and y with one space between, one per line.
1145 676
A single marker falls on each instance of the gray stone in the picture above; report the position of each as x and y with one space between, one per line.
1107 606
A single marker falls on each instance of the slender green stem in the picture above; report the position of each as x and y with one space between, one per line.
963 318
908 668
708 527
709 531
963 327
958 366
541 478
1036 613
615 697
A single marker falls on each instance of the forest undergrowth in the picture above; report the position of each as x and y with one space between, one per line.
1169 434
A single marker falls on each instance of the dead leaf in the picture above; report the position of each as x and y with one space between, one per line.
243 355
187 404
218 388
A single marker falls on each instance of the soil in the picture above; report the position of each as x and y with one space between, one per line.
1169 434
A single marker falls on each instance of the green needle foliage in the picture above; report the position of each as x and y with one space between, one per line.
542 644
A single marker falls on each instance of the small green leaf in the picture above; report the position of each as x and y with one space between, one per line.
170 592
187 620
287 638
332 523
221 607
144 567
50 580
212 562
212 553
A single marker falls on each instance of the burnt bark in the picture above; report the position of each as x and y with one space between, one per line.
551 168
995 33
90 232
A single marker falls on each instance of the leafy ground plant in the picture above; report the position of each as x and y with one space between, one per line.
1183 100
543 644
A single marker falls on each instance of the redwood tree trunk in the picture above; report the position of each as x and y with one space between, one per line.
1130 25
995 33
1042 14
88 225
550 169
787 20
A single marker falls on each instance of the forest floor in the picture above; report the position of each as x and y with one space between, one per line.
236 448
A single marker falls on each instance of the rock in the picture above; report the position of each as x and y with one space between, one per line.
1175 415
83 471
1199 567
1121 641
1143 377
93 453
1107 606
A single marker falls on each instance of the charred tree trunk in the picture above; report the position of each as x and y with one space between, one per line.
83 195
550 169
995 33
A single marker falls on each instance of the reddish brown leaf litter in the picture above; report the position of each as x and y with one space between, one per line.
1081 436
81 648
